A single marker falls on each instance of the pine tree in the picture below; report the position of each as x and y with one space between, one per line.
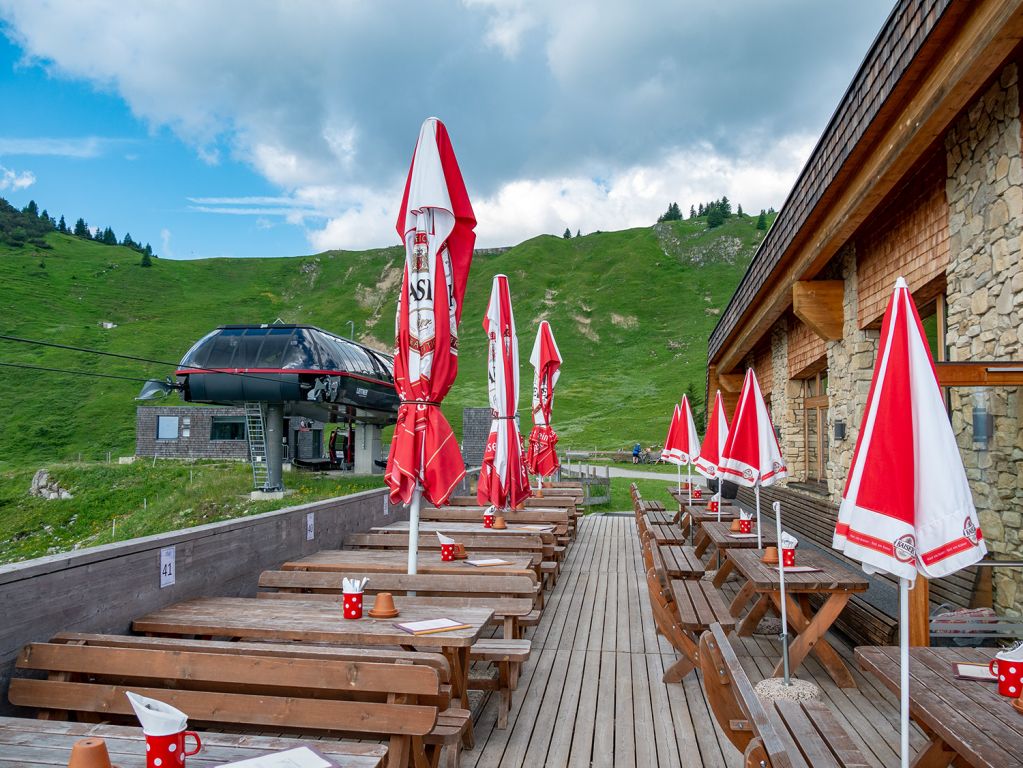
726 207
577 233
701 211
762 219
148 250
31 209
738 210
692 212
109 238
82 229
146 260
715 216
568 233
62 225
128 242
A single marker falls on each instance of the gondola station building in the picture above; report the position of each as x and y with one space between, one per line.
919 173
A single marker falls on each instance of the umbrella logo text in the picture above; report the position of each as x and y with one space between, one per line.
970 530
905 548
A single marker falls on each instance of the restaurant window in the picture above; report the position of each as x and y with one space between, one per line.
167 428
227 428
815 430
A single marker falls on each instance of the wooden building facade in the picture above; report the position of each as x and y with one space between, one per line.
918 174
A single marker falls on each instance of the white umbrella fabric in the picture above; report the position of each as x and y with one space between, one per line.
714 444
907 505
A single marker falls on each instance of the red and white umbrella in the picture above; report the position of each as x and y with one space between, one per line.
682 445
907 506
503 479
713 444
542 458
751 456
436 224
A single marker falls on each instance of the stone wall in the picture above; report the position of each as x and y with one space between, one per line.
985 307
475 430
850 369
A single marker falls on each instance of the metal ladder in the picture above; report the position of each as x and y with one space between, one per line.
255 431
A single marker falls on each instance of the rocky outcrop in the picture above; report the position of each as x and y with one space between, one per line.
45 487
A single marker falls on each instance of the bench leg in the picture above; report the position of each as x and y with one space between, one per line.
504 689
935 755
398 752
677 671
702 544
686 663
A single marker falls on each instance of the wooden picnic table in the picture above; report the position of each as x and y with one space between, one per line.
723 538
694 515
967 721
834 579
681 562
248 618
36 743
543 530
395 561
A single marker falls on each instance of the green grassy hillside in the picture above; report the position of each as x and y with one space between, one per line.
631 311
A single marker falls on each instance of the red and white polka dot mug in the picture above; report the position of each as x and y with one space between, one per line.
788 558
169 751
697 493
1010 676
351 604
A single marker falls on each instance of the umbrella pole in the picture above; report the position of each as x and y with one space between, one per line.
678 467
718 497
756 492
781 584
689 478
413 529
904 671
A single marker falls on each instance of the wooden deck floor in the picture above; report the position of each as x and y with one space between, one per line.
591 695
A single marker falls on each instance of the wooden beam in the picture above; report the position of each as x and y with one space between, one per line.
991 373
820 304
730 383
920 613
987 37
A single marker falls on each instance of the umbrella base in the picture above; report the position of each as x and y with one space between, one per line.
774 689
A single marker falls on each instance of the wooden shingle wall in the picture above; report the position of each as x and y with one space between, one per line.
807 354
908 237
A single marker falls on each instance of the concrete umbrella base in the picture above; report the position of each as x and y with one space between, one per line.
774 689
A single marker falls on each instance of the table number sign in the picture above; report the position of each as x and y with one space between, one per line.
167 567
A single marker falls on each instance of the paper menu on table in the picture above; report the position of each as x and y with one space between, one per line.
428 626
302 757
488 561
973 671
742 535
801 569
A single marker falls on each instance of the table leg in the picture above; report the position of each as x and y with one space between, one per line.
810 636
722 572
752 619
936 754
702 544
458 660
746 591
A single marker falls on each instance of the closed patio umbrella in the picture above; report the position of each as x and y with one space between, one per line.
542 458
752 456
907 506
713 444
503 479
685 443
436 225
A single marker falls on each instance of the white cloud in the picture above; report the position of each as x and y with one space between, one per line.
15 180
165 244
81 147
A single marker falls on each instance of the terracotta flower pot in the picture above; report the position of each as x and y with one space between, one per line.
383 606
89 753
735 526
770 555
499 523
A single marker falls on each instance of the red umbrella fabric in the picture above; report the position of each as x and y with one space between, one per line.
672 451
751 455
714 440
907 505
436 224
503 479
542 458
686 446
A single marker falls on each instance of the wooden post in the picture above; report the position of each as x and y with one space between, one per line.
919 613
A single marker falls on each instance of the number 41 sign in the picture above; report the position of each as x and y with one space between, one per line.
167 567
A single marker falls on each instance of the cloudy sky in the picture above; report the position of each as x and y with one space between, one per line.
259 128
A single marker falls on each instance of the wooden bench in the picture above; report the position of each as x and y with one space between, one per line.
682 609
273 687
512 542
551 502
782 734
865 624
558 517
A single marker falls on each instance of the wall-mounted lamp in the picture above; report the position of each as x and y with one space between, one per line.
839 430
983 428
